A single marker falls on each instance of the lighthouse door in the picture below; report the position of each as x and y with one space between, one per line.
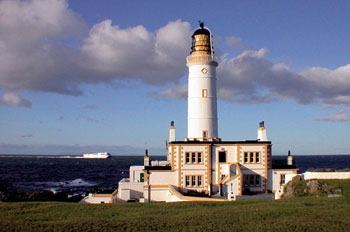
142 177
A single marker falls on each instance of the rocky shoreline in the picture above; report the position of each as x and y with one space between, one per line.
39 195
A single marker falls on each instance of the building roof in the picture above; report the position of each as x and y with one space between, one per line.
257 142
283 166
157 168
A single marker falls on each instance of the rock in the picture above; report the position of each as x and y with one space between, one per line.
295 188
334 195
299 187
75 198
336 190
315 187
3 192
41 195
60 196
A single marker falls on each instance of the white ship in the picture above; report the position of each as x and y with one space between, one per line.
99 155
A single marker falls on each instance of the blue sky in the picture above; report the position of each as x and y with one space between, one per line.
81 76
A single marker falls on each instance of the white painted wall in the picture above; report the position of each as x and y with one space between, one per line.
262 134
172 137
97 199
202 111
129 190
232 188
157 194
326 175
162 178
274 180
134 173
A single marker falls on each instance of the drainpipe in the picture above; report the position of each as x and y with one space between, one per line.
210 170
148 187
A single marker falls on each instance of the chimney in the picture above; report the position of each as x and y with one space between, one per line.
290 160
262 132
172 132
146 159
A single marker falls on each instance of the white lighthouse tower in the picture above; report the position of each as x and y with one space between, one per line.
202 102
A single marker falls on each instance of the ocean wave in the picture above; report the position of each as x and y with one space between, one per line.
70 183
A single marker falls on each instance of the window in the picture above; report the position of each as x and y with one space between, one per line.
251 180
257 157
194 180
245 157
245 180
199 159
205 134
187 180
199 180
222 156
187 157
251 157
283 179
193 157
257 180
204 93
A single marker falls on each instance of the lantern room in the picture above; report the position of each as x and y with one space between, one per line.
202 41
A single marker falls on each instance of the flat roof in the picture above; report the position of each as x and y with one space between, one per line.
222 142
150 168
283 166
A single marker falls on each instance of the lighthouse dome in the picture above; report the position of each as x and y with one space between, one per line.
201 31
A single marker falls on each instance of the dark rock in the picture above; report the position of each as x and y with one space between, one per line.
41 195
75 198
60 196
3 192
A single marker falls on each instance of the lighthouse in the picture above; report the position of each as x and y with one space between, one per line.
203 165
202 101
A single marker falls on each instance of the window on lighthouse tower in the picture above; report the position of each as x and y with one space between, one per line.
204 93
205 134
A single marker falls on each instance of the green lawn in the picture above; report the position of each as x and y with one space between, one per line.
295 214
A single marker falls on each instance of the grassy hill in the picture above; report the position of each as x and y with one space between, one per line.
294 214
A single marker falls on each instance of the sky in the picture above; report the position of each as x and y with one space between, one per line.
94 76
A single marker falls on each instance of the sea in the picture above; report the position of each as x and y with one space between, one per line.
73 175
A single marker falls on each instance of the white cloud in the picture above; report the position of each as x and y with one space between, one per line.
251 78
177 91
34 57
11 99
342 116
236 42
137 53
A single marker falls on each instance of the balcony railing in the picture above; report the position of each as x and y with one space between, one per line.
203 57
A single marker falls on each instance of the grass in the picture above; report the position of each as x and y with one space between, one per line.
293 214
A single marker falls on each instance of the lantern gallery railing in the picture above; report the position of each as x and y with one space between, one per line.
201 57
